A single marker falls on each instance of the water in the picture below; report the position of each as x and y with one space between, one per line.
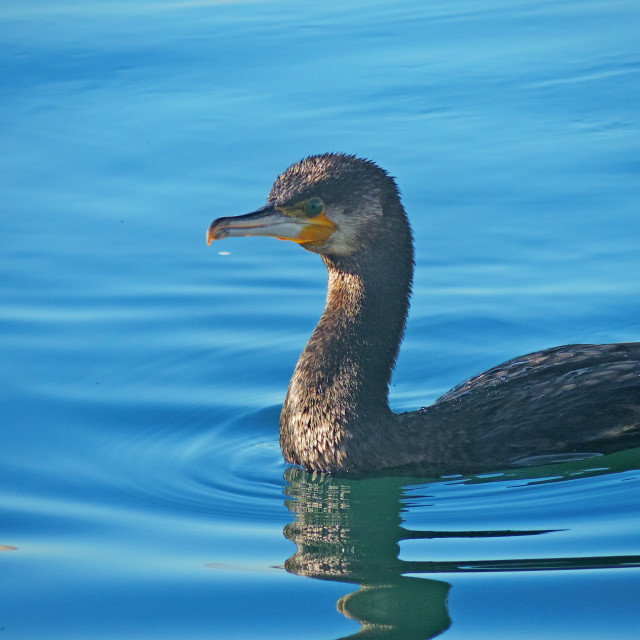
142 492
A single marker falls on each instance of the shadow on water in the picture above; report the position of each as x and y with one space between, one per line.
350 530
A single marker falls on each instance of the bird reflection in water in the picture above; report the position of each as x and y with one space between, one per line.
349 530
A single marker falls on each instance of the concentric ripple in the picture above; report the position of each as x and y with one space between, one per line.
229 470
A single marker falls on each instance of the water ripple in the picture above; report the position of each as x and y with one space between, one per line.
228 471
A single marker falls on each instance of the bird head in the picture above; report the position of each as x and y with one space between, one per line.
330 204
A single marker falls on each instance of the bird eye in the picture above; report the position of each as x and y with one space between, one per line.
314 207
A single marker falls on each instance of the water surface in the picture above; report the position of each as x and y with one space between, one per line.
142 491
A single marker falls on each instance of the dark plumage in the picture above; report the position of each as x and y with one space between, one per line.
576 399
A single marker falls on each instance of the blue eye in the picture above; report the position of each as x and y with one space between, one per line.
314 207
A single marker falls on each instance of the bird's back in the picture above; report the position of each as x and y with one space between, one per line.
575 399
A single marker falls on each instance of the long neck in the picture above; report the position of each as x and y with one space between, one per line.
336 409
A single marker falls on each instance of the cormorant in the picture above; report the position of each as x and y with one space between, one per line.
570 400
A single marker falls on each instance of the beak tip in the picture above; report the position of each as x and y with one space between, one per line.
213 233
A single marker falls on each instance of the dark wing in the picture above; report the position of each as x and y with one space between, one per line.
570 399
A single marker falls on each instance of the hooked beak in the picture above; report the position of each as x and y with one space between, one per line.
273 222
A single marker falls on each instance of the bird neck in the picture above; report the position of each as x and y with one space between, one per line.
337 403
361 328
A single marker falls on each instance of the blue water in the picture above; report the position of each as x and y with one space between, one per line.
142 491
